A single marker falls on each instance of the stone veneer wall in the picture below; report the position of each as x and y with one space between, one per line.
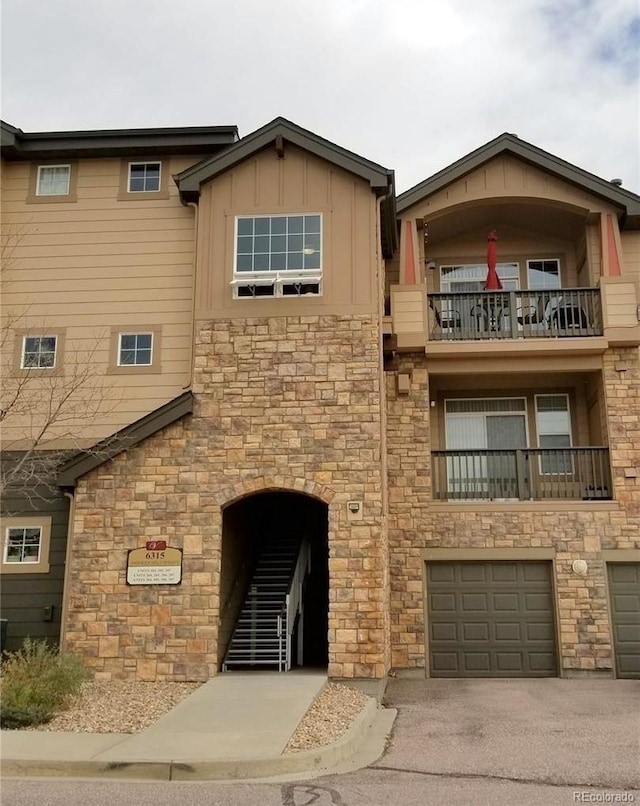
583 612
281 403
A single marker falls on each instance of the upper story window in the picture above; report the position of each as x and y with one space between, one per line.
469 278
278 255
53 180
38 352
543 274
135 349
134 352
144 177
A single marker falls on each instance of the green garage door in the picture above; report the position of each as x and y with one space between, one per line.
624 590
490 619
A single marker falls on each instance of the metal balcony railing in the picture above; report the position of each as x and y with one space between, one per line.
515 314
523 474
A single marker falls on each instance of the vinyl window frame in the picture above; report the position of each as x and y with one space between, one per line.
18 352
542 468
114 366
36 521
279 281
124 192
34 197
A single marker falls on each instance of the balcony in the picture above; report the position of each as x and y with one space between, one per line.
483 315
527 474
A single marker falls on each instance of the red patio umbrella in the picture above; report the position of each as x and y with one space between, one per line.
492 283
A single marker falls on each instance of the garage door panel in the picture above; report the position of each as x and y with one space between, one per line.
443 572
473 573
446 662
624 589
535 572
445 631
626 603
542 662
541 631
508 632
445 602
505 602
503 573
474 602
475 632
476 662
499 619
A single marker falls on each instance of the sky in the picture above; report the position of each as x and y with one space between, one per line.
411 84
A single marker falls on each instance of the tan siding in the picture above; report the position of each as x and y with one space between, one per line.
631 253
298 183
86 266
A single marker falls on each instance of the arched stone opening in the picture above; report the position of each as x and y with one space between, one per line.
272 597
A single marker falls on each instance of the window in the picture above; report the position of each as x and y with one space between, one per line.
470 278
554 431
484 434
278 255
26 541
135 349
38 352
53 180
23 544
144 177
543 274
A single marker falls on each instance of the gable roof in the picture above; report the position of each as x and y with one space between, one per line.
189 181
19 145
279 131
84 461
511 144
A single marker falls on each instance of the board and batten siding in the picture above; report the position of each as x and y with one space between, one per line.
299 183
87 266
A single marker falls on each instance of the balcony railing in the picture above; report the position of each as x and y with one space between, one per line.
522 474
515 314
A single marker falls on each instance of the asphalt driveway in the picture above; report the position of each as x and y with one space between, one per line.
562 732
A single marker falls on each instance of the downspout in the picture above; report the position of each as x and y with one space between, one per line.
67 572
193 292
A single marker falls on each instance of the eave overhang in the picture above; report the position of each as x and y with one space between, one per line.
627 202
19 145
85 461
279 132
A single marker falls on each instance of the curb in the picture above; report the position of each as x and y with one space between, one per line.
312 761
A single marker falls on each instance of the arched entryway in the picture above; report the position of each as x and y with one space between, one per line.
274 582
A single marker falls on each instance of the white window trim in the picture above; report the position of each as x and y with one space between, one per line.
543 260
145 162
507 282
280 277
538 434
48 167
31 522
134 333
39 336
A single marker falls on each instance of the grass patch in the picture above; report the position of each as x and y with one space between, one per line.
37 682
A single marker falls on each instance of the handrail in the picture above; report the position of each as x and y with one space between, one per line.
293 601
522 474
515 314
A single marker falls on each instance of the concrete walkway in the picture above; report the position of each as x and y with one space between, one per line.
234 726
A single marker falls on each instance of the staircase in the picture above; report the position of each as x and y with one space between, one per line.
262 635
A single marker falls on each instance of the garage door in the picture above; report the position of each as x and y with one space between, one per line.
490 619
624 590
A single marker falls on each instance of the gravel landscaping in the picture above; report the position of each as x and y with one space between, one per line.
123 707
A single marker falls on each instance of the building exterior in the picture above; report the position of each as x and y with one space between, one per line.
302 431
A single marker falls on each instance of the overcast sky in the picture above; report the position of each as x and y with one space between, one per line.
411 84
